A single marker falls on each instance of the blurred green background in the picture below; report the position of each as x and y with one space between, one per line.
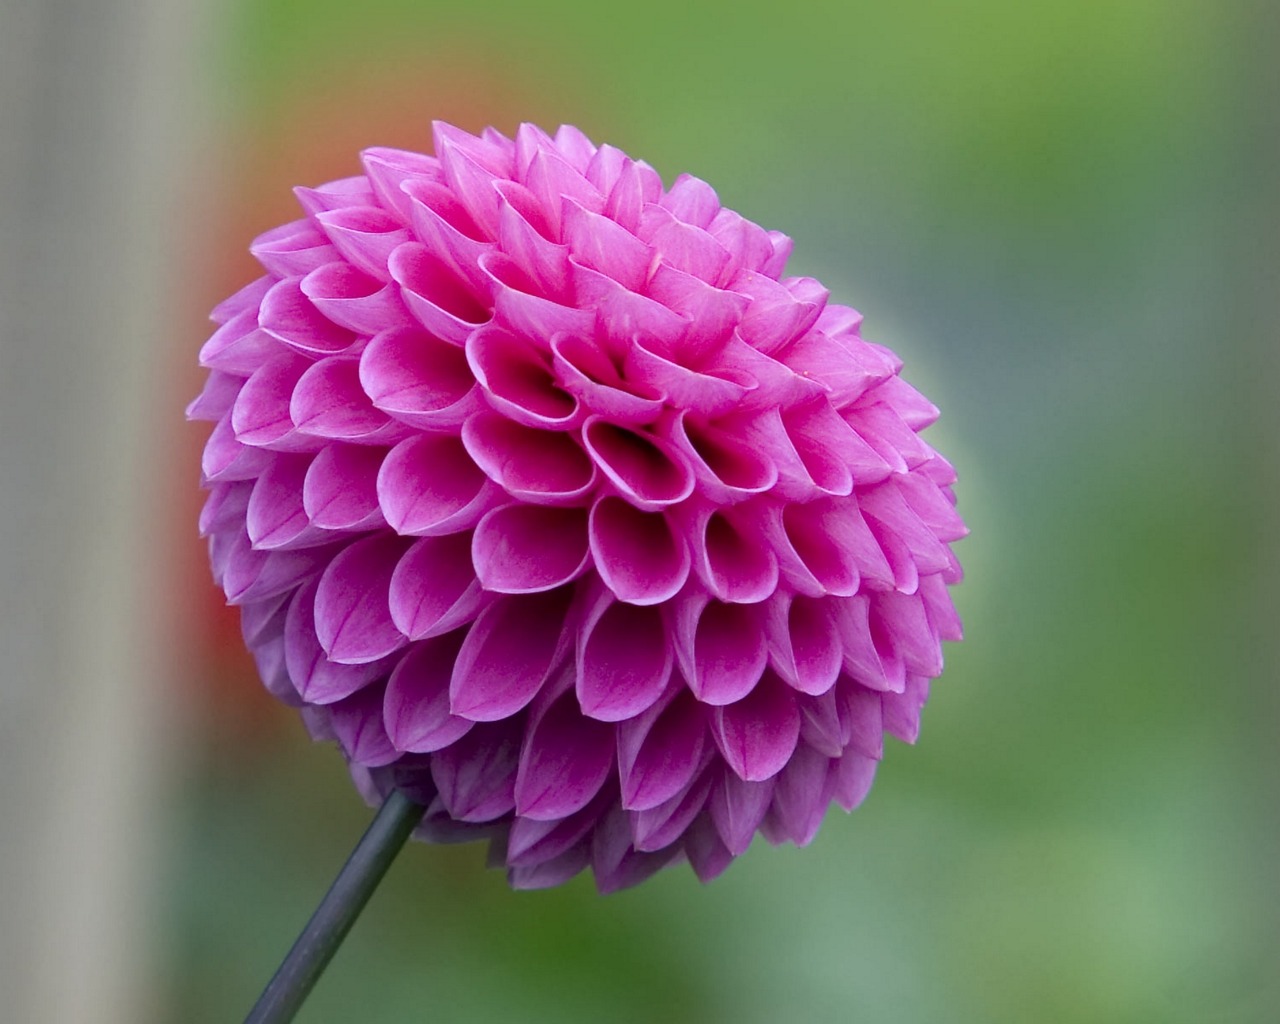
1061 216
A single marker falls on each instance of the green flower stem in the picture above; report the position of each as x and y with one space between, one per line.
284 994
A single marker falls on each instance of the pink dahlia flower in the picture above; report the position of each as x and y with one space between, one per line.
548 497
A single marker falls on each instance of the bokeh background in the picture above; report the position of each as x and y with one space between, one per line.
1063 216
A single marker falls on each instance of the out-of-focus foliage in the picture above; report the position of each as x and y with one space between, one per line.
1048 210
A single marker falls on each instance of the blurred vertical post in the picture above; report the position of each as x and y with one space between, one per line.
96 103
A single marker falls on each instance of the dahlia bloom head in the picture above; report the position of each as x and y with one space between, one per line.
547 496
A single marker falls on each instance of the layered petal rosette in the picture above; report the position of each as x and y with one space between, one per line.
548 496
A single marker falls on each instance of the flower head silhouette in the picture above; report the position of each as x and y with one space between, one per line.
548 497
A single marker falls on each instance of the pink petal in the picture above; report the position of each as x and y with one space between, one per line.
712 312
636 553
942 613
683 246
660 750
357 724
868 658
801 794
216 397
540 466
353 618
335 195
275 517
862 717
419 379
622 315
365 235
758 734
550 178
605 246
692 200
510 652
585 371
533 842
727 467
565 760
446 306
648 471
443 224
520 306
434 587
317 679
732 558
518 380
247 298
476 774
623 660
659 826
226 506
812 551
226 459
329 402
708 855
525 236
340 491
388 169
428 485
288 315
804 642
523 549
471 181
415 708
885 505
260 416
902 710
906 626
852 779
239 346
353 299
738 807
704 393
721 647
821 724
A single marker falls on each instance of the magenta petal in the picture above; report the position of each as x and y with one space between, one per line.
565 760
708 855
623 660
738 807
334 195
353 618
704 393
248 297
434 587
471 181
732 558
260 416
885 505
288 315
552 180
444 305
226 507
586 372
239 346
353 300
317 679
636 553
532 842
275 516
388 169
540 466
861 718
906 625
419 379
547 874
902 710
247 575
616 864
804 642
687 248
340 491
508 655
712 313
357 725
216 397
660 750
605 246
868 659
758 734
525 236
721 647
523 549
657 827
622 315
476 774
822 726
852 778
801 794
727 466
365 235
518 381
292 249
329 402
811 553
692 200
416 705
942 612
647 471
428 485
